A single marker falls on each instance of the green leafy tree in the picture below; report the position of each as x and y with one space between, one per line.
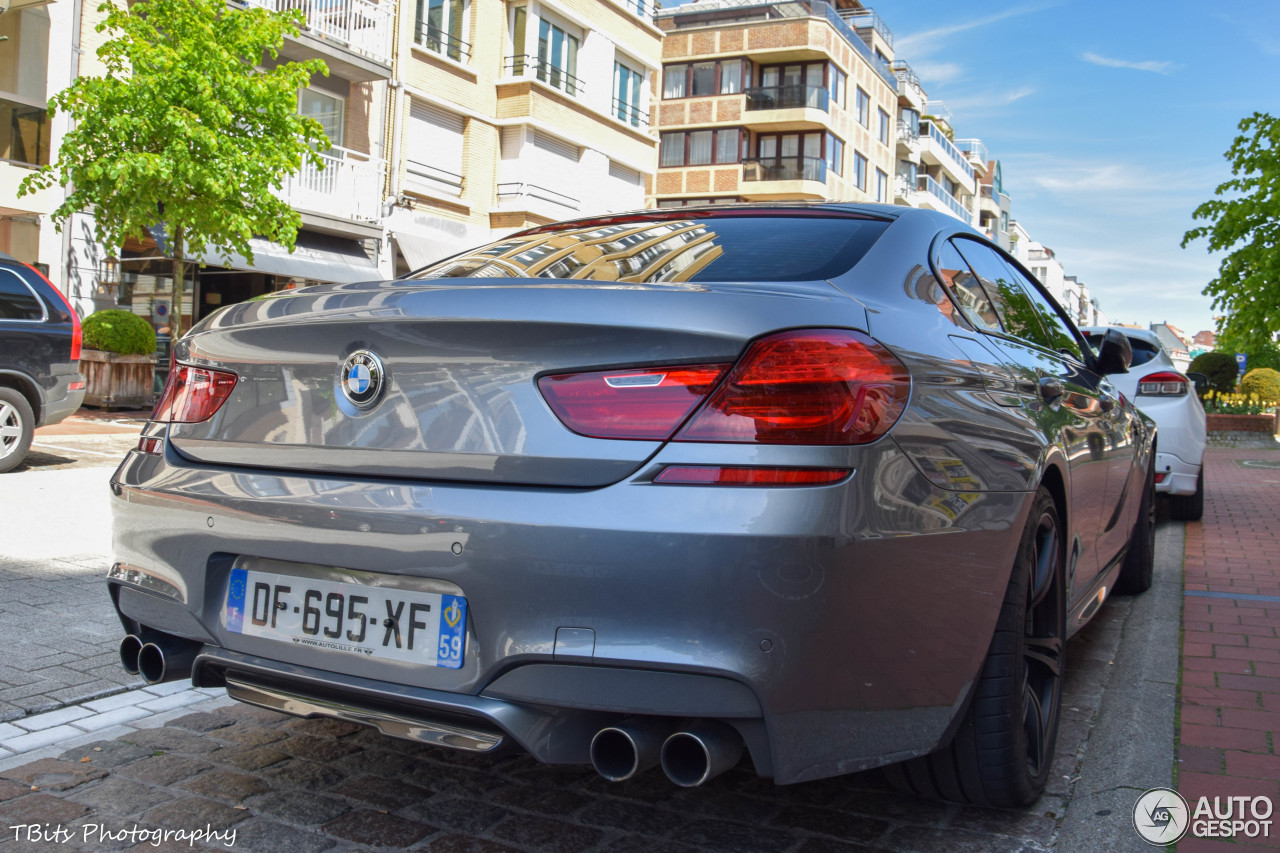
1260 353
1220 368
186 128
1245 221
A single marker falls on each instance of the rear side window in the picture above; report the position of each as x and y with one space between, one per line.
17 301
966 291
676 248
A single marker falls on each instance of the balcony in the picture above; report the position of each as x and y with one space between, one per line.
946 202
536 200
784 177
629 113
867 19
905 192
438 41
347 186
909 142
975 150
788 98
909 84
940 151
553 75
353 37
24 134
431 180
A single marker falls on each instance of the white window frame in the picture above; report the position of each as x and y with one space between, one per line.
342 114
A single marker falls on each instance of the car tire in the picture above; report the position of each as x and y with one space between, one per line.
990 762
1139 562
17 423
1189 507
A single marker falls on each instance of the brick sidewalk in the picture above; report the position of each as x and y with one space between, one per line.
1230 700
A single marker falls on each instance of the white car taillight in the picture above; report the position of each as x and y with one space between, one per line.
1165 384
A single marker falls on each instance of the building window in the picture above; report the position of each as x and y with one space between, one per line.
884 127
439 28
863 108
626 95
701 147
859 171
703 79
835 154
836 80
329 110
558 58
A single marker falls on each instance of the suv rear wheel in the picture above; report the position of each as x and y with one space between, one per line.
17 423
1001 754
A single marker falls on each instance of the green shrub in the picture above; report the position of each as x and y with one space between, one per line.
120 332
1264 382
1220 367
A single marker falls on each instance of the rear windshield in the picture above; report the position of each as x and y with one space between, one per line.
676 248
1143 351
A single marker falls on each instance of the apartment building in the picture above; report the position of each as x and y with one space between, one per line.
36 61
991 205
516 114
791 99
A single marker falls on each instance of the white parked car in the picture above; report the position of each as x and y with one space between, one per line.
1167 397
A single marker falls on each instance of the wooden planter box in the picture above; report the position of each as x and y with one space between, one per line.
1265 424
117 381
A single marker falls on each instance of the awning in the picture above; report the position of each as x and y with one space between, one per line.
420 251
319 257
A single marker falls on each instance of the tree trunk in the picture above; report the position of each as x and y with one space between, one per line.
175 302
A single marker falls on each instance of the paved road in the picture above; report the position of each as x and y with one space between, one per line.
169 757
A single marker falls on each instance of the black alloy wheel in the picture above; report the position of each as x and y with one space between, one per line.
1004 747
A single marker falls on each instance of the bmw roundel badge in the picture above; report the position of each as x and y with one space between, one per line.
362 377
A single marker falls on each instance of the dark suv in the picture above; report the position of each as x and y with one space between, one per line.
40 380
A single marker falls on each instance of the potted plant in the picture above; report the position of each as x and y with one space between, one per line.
118 360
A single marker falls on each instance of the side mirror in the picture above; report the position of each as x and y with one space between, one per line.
1201 382
1115 355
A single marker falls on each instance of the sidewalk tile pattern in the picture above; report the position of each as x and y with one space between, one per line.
1230 699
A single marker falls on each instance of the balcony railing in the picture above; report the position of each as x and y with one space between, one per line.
642 8
788 97
784 169
433 178
928 128
348 186
933 188
437 40
908 134
363 26
24 133
629 113
975 147
525 190
553 75
867 18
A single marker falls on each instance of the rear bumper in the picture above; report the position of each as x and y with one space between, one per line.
835 627
54 411
1180 476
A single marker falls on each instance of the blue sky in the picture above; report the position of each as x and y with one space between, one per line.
1110 121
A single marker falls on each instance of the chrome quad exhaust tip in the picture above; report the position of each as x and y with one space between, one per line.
701 752
625 750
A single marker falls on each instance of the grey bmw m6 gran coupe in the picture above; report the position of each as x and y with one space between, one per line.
828 484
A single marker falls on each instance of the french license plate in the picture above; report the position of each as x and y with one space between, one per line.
369 621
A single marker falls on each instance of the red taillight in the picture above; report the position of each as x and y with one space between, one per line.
810 386
150 445
715 475
77 334
646 404
193 394
1166 384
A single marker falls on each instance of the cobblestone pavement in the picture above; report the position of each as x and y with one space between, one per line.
284 784
1229 741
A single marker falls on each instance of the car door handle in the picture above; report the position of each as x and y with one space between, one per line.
1051 389
1107 402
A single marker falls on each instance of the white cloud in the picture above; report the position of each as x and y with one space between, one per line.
989 100
1153 65
937 73
925 43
